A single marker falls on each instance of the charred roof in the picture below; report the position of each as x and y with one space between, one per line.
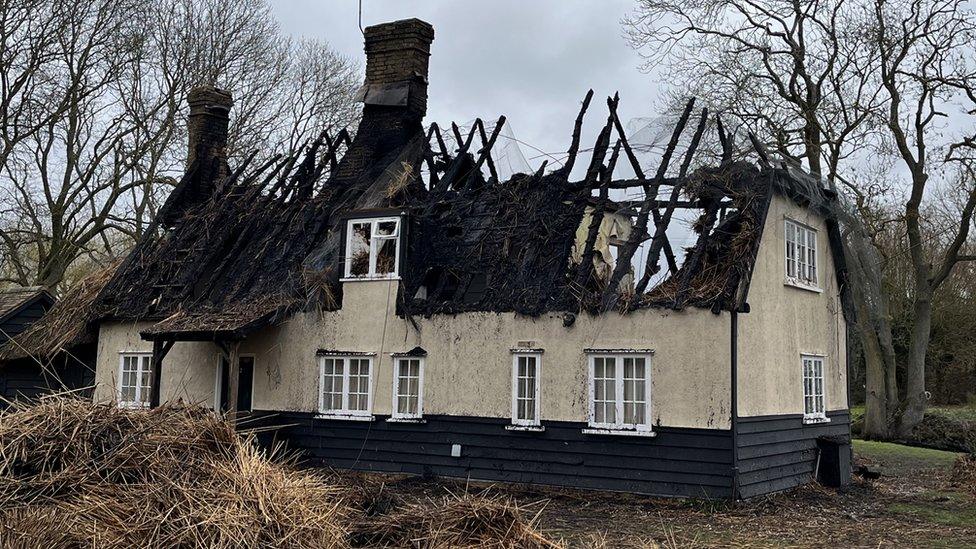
267 241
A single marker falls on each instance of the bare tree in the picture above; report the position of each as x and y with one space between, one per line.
825 83
786 70
925 65
93 98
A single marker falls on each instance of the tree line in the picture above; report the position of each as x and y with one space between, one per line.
93 114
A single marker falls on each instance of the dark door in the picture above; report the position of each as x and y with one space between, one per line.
244 387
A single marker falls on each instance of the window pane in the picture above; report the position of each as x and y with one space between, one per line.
358 384
633 413
146 386
813 386
128 392
408 386
386 228
358 252
332 383
812 256
790 250
386 256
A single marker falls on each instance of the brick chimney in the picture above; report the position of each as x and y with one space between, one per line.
207 142
397 56
207 124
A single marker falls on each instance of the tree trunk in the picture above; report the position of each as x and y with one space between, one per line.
915 396
874 331
876 412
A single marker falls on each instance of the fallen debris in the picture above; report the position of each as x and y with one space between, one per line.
73 474
466 520
76 474
964 473
866 472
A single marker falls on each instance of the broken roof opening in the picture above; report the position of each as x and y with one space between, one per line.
268 242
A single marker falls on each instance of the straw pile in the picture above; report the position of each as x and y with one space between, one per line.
73 474
465 520
76 474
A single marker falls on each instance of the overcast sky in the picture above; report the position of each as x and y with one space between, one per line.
530 61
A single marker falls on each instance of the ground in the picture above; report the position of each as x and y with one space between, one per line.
913 504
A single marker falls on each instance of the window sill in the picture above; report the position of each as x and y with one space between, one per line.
815 420
406 420
619 432
133 406
346 417
369 279
801 286
527 428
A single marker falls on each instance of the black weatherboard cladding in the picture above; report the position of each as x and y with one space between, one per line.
677 462
775 452
780 452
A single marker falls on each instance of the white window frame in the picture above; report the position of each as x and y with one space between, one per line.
218 387
535 421
397 414
344 412
374 240
801 268
618 427
144 362
815 416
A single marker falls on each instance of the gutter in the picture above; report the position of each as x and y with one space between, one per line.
734 405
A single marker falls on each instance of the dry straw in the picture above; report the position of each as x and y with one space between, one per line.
76 474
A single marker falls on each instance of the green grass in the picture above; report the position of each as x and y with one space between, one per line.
960 413
964 516
898 459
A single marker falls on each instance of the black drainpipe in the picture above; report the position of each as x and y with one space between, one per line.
735 409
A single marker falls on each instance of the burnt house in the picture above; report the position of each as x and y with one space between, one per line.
395 305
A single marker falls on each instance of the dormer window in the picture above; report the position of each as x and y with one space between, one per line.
373 248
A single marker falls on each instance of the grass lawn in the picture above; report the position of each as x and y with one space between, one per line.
901 460
962 413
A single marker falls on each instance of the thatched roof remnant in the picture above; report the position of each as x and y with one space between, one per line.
268 242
